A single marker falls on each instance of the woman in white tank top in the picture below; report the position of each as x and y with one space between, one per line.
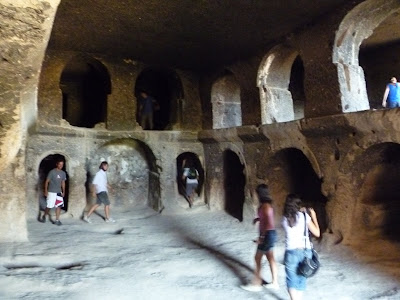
293 224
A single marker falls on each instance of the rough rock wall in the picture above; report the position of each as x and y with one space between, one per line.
328 141
121 102
322 78
24 30
346 183
142 165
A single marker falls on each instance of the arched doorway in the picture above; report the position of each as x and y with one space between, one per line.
46 165
188 159
358 25
166 88
379 59
290 171
378 205
296 88
85 84
226 103
133 173
280 80
234 184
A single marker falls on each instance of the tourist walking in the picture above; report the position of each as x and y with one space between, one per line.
100 191
265 242
297 246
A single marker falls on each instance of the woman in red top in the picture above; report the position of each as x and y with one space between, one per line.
266 241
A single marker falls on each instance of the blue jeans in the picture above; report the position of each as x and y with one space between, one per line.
292 260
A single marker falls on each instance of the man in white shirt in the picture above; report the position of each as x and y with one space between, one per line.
100 191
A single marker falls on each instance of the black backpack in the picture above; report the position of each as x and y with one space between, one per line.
192 173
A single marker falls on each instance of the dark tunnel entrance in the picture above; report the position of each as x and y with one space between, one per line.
296 87
234 183
46 165
85 85
379 205
299 177
188 159
165 87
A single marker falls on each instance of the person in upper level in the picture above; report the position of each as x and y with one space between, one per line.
147 106
391 97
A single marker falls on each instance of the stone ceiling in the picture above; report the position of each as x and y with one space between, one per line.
189 34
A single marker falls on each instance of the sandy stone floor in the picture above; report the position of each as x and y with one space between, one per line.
190 254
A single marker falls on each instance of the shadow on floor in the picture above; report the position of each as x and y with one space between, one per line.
235 266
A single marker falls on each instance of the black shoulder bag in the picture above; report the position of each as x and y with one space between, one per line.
309 266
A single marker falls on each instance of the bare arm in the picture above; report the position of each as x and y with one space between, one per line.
46 184
385 95
313 225
63 188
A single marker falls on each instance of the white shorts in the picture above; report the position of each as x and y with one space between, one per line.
53 200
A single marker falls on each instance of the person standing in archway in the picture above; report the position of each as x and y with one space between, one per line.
54 191
266 241
190 177
100 191
391 97
147 105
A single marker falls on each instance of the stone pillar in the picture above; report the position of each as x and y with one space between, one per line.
50 94
23 42
122 96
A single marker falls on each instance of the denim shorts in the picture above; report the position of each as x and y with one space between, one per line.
292 260
269 241
102 198
393 104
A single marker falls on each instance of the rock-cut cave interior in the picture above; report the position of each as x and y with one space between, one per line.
284 93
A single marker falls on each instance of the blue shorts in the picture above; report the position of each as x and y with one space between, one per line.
292 260
393 104
268 243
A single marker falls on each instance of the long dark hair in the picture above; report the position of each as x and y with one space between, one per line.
263 193
292 206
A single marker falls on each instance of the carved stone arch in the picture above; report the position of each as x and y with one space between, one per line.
165 86
293 170
85 84
373 189
43 164
133 172
273 80
357 26
235 179
189 159
307 153
43 155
